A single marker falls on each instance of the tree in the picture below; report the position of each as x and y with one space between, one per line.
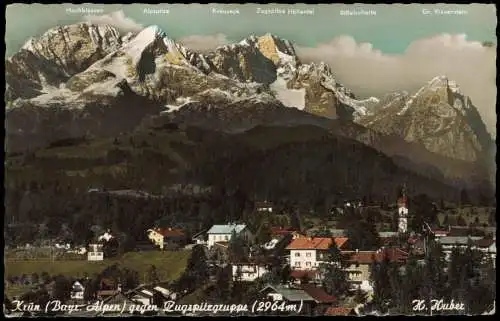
152 276
237 248
45 277
263 234
130 279
223 283
461 221
363 235
335 276
111 248
446 221
360 297
382 287
91 288
492 218
285 274
464 197
35 279
62 288
196 272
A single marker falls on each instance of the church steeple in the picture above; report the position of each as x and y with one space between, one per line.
403 210
403 199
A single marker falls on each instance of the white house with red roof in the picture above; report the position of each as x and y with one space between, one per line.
306 253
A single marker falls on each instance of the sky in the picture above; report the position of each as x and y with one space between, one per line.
401 47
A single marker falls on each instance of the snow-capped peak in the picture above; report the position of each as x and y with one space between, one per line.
438 82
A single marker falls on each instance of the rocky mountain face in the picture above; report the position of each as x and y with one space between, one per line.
69 69
57 55
438 116
89 80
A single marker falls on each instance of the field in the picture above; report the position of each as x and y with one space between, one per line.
169 265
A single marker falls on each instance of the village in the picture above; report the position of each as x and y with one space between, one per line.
280 263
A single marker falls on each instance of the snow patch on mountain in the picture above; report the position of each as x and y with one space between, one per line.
181 102
289 97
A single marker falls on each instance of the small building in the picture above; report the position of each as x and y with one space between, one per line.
167 237
106 237
77 291
361 262
487 246
200 238
313 299
107 288
146 295
449 242
264 206
289 295
95 252
223 233
248 272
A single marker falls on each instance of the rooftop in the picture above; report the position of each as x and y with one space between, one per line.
227 229
368 257
316 243
459 240
282 231
339 311
170 232
289 293
318 294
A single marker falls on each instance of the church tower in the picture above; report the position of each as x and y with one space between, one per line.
403 212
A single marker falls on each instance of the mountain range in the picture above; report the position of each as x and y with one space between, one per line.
90 81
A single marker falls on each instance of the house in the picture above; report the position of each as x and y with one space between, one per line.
487 246
314 299
322 300
338 232
440 233
248 272
310 276
95 252
77 291
167 237
449 242
307 253
289 295
146 295
264 206
200 238
361 262
106 237
223 233
107 288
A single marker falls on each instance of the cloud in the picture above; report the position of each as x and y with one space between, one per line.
204 43
367 71
116 19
